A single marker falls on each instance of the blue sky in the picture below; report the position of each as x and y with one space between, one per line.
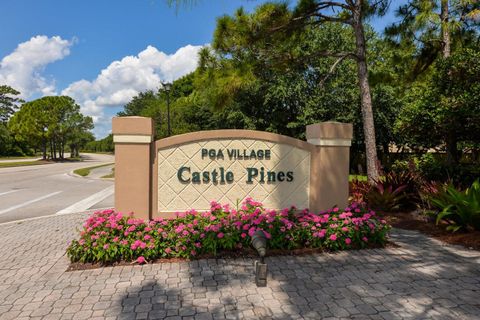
103 52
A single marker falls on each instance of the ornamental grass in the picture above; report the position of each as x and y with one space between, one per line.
110 236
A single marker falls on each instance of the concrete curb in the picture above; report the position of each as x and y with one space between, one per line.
53 215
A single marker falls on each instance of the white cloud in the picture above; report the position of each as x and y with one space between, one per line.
23 67
112 88
122 80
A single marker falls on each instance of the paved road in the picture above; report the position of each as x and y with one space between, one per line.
420 279
33 191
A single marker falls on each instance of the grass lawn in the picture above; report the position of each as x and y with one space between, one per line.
22 163
357 176
86 171
110 176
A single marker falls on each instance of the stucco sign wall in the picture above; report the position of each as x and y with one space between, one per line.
191 175
183 172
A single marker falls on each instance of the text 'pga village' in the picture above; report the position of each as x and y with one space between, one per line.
259 175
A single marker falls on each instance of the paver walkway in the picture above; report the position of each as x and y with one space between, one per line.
421 279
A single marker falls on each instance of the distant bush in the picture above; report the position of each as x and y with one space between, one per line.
430 167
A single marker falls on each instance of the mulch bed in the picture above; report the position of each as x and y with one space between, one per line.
417 221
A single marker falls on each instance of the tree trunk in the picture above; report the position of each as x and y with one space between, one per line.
451 146
44 147
51 149
366 98
446 42
54 149
451 139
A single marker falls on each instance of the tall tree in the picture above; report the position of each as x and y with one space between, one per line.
8 102
434 28
276 18
8 105
445 109
50 123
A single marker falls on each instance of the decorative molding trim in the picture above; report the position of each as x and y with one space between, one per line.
131 138
325 142
232 134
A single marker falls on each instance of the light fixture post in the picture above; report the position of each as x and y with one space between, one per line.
167 87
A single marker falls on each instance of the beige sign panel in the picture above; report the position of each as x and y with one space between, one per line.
192 175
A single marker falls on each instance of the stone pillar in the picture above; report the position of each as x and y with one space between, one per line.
329 164
133 139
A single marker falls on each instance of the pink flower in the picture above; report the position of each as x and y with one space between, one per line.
220 235
106 246
348 241
193 252
365 239
168 250
345 229
243 235
333 237
141 260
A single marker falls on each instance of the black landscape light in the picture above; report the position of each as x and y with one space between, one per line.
259 242
167 87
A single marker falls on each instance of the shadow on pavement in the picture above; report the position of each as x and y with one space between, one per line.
419 280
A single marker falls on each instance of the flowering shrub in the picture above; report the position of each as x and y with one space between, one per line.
109 236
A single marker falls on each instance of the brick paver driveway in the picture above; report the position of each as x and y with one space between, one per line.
421 279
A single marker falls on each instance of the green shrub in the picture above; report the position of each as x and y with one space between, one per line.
433 169
460 209
393 191
385 197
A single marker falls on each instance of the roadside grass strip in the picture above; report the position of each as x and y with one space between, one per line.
86 171
23 163
110 175
18 158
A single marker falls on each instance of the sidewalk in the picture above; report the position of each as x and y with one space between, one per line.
421 279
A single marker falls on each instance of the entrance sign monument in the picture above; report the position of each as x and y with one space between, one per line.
188 171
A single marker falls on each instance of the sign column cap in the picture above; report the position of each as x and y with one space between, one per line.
330 130
132 126
330 133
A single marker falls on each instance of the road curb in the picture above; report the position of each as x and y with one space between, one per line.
53 215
